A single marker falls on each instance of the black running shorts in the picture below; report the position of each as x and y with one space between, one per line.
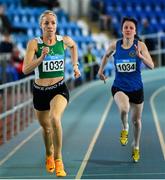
136 97
42 95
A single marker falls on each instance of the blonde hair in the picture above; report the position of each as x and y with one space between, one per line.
45 13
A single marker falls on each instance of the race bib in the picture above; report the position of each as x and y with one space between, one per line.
128 65
53 65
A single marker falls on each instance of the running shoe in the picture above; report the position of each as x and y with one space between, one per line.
59 168
124 137
135 155
50 164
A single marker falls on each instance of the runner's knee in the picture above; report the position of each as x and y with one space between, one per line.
137 122
56 120
47 130
124 111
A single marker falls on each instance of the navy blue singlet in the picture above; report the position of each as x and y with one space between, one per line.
128 68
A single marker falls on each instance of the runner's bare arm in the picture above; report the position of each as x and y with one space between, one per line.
144 55
30 63
69 42
106 56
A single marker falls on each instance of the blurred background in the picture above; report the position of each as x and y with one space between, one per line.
93 24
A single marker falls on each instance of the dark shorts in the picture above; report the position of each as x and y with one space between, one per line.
43 95
136 97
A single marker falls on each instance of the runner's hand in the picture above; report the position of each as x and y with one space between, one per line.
77 73
45 51
139 54
102 76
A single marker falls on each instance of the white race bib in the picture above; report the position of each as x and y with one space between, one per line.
53 65
126 65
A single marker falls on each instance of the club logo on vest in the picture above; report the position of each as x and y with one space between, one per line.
132 53
51 51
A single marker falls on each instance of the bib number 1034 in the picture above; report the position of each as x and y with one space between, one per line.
49 66
126 67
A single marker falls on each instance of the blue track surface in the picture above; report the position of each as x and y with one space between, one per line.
91 128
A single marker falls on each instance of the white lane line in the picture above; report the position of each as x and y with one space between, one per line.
91 146
156 120
10 154
18 147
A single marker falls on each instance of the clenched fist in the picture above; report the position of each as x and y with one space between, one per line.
45 51
77 73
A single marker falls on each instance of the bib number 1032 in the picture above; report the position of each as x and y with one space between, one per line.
126 67
49 66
